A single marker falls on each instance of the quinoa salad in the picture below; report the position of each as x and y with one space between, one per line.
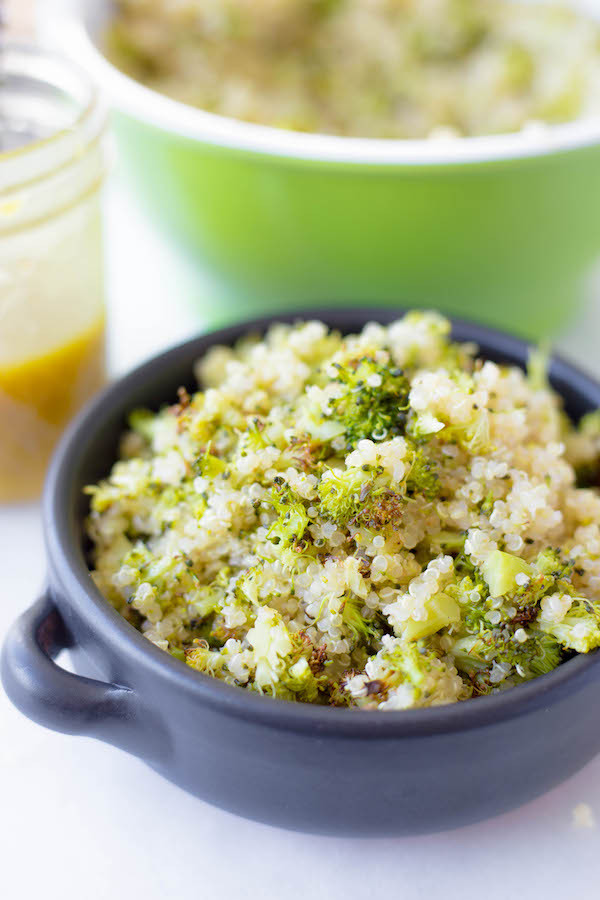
381 520
366 68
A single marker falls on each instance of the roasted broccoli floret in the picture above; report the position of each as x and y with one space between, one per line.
495 656
579 629
342 493
404 674
507 636
549 574
363 628
143 422
272 660
282 659
551 564
373 402
203 659
525 584
289 529
422 477
362 494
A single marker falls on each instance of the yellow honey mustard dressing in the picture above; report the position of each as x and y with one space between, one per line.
38 397
53 163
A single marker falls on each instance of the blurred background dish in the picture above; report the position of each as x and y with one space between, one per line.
52 165
385 69
501 228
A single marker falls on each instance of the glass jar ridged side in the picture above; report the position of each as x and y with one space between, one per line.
52 315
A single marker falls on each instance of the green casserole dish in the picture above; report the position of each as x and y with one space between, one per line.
503 229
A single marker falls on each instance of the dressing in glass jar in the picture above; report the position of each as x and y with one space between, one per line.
52 165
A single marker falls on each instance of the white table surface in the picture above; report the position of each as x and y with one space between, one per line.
80 820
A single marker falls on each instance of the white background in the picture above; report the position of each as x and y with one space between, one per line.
79 819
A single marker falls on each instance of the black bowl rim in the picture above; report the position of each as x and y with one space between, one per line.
67 562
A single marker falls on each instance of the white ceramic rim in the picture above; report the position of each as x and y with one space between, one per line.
63 24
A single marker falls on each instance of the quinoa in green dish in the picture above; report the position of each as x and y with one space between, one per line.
366 68
381 520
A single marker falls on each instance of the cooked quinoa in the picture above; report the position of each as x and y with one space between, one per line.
381 520
369 68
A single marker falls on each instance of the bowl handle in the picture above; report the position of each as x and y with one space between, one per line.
69 703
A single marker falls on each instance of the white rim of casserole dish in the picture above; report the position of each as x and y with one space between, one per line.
63 25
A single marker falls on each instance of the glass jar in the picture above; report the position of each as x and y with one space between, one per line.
52 165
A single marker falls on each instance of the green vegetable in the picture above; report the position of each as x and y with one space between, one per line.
579 630
361 627
442 611
293 520
143 422
495 656
423 477
373 402
411 667
537 367
208 465
342 495
500 571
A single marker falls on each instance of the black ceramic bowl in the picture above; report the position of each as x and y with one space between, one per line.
333 771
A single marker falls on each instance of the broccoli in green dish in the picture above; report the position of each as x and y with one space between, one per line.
403 69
